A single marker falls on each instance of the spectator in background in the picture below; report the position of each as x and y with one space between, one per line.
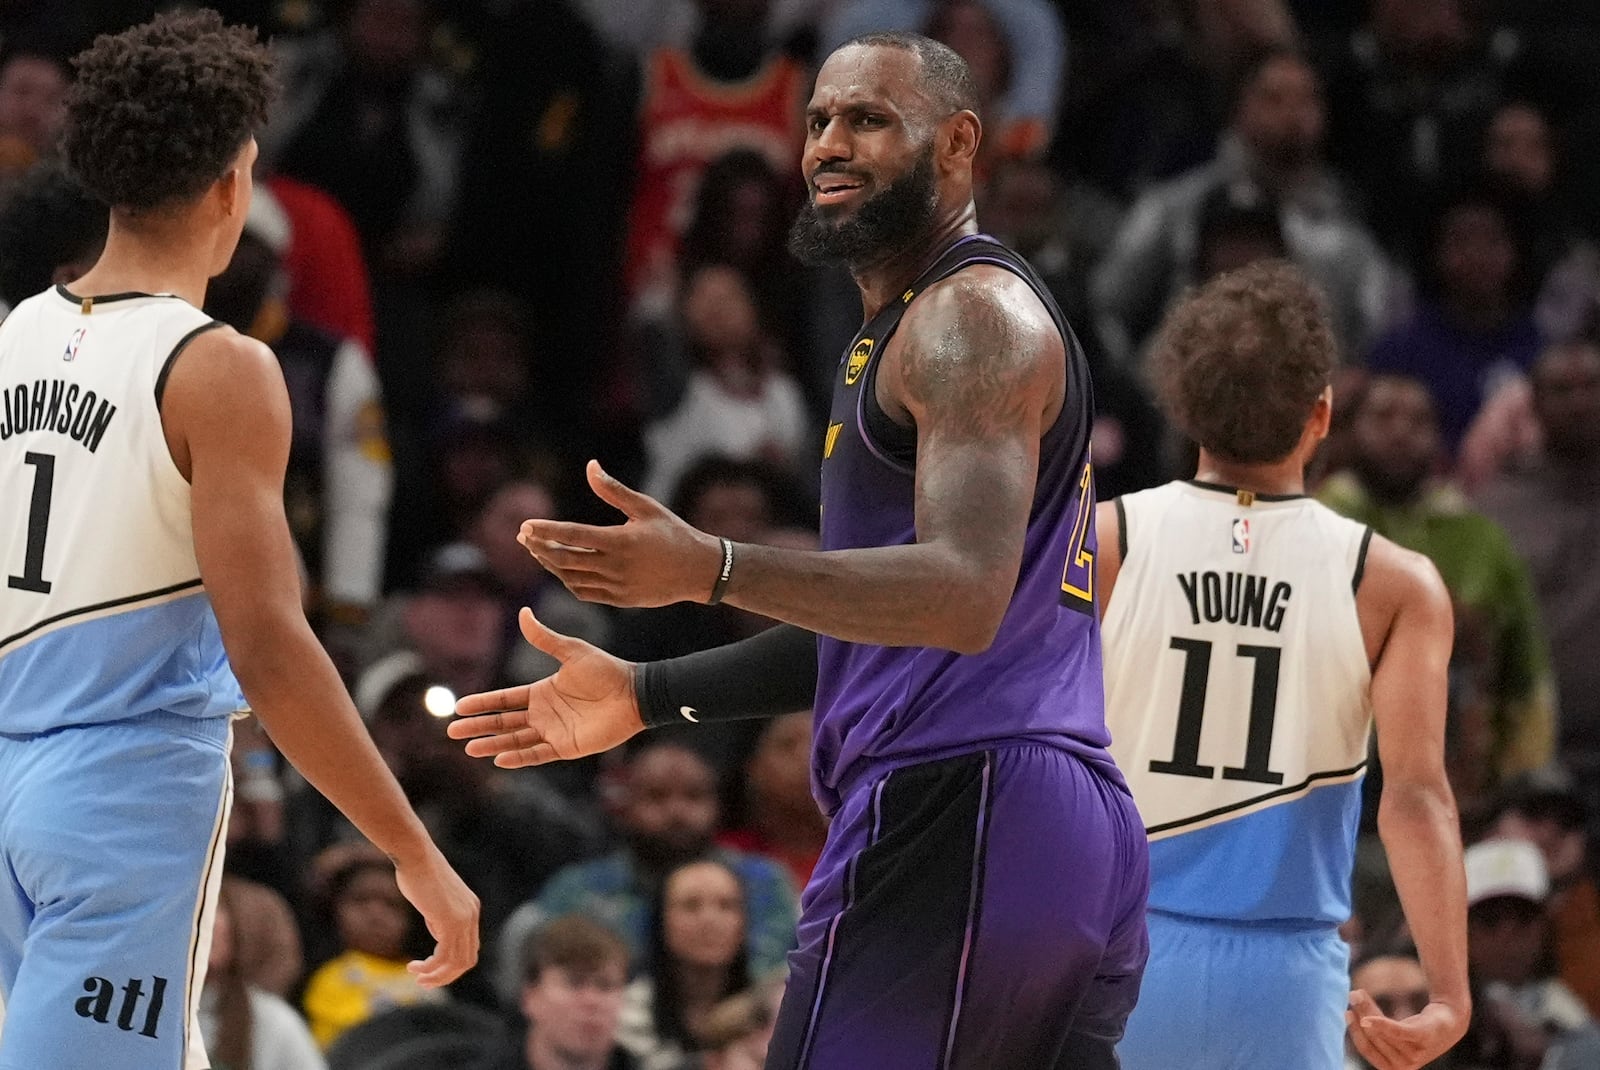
489 370
51 232
1396 448
33 106
739 402
366 118
339 479
1017 50
1519 159
1408 96
376 932
1274 144
697 958
574 971
1547 809
741 219
449 629
971 29
1473 330
247 1027
1517 1005
545 185
265 937
667 813
328 286
1550 508
729 89
781 819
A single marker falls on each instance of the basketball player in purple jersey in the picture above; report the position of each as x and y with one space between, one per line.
980 900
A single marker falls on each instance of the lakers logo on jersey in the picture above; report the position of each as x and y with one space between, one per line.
831 440
857 362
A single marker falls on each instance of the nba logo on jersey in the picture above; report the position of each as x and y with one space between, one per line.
1241 536
73 343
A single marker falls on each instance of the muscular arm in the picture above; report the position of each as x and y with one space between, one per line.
977 367
1417 814
227 417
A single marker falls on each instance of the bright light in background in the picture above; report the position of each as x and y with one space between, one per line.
439 701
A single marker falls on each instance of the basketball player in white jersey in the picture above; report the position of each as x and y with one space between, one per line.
1251 637
143 547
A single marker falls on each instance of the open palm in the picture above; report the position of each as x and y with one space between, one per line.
588 706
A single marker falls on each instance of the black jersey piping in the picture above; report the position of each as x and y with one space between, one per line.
1223 488
172 358
112 604
101 299
1231 807
1361 561
1122 530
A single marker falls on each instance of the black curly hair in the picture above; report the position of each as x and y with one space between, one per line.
158 112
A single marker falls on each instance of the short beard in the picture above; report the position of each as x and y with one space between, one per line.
887 223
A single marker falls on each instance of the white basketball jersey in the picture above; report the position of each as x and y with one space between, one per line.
1237 698
102 612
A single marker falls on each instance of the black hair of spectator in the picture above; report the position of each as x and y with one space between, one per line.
1249 70
791 505
235 297
944 75
49 221
706 240
160 111
666 1000
1239 363
575 943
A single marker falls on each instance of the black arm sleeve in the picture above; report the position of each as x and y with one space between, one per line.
768 674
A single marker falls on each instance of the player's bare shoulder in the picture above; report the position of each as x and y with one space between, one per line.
1400 588
225 390
979 345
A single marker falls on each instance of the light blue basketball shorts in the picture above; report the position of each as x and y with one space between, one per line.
110 858
1238 996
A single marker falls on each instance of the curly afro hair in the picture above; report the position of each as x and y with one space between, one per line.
160 111
1240 362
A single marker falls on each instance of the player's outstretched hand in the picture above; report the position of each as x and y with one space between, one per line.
450 911
588 706
1408 1043
653 559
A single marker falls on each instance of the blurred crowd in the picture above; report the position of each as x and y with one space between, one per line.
495 238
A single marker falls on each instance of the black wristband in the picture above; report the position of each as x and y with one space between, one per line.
771 673
721 586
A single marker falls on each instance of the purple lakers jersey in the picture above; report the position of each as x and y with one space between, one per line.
1040 681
